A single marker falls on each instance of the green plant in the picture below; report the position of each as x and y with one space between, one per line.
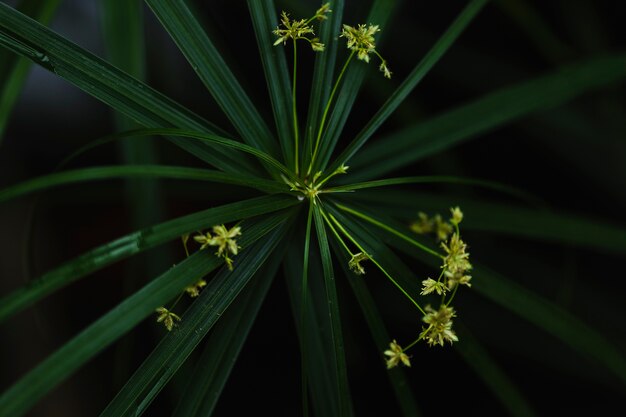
308 194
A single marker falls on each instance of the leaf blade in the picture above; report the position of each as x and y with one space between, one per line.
134 243
136 171
263 14
491 111
206 61
417 74
176 346
339 359
22 395
115 88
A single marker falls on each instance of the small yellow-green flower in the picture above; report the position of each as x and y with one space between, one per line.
458 278
442 228
457 215
360 39
194 290
293 29
457 257
355 263
321 13
167 317
384 69
396 355
430 285
224 239
203 239
423 225
439 328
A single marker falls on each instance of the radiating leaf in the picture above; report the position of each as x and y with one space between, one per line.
206 61
397 377
134 243
320 382
176 346
225 342
264 20
22 395
495 109
542 224
477 358
13 69
379 14
338 358
323 76
115 88
134 171
420 70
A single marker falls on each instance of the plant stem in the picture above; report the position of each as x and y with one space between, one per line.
293 106
326 110
337 235
406 294
413 343
389 229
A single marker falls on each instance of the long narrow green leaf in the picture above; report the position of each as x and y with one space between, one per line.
427 179
134 171
212 139
55 368
224 344
13 69
547 316
304 308
204 58
493 110
122 23
379 15
134 243
323 74
477 358
176 346
339 360
264 20
321 384
421 69
397 376
115 88
553 226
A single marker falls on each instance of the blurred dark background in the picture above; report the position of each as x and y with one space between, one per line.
573 158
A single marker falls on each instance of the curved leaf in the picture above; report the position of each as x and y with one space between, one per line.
338 359
495 109
134 243
206 61
263 15
22 395
130 171
420 70
115 88
224 344
176 346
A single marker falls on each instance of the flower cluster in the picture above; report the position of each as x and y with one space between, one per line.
224 239
355 263
360 39
301 29
396 355
438 323
436 225
167 317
